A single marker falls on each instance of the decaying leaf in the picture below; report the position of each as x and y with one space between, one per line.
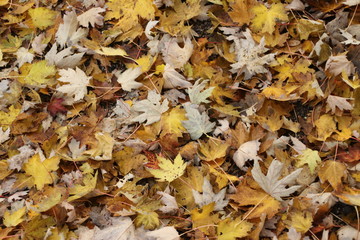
157 119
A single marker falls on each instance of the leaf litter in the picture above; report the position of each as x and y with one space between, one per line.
169 119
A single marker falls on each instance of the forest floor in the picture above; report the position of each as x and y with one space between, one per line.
180 119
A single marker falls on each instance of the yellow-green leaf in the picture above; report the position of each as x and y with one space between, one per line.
150 220
309 157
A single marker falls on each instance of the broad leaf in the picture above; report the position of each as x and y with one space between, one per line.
77 83
169 171
150 108
271 183
197 124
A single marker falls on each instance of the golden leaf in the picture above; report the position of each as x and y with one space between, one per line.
37 74
14 218
231 229
41 171
171 122
42 17
265 19
332 172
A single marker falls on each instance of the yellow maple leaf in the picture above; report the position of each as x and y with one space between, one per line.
171 122
350 195
41 171
37 74
287 69
212 150
80 190
265 19
281 93
227 109
301 221
354 82
231 229
303 28
6 118
332 172
203 216
108 51
325 126
169 171
3 2
14 218
147 216
128 12
42 17
309 157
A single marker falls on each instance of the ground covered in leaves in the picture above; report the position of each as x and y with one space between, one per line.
170 119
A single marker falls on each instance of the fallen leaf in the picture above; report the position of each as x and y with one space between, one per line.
197 124
332 172
338 102
262 202
77 83
208 196
309 157
41 171
247 151
127 78
12 219
151 108
271 183
231 229
169 171
92 17
265 18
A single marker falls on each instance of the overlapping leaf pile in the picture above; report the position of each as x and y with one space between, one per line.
170 119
